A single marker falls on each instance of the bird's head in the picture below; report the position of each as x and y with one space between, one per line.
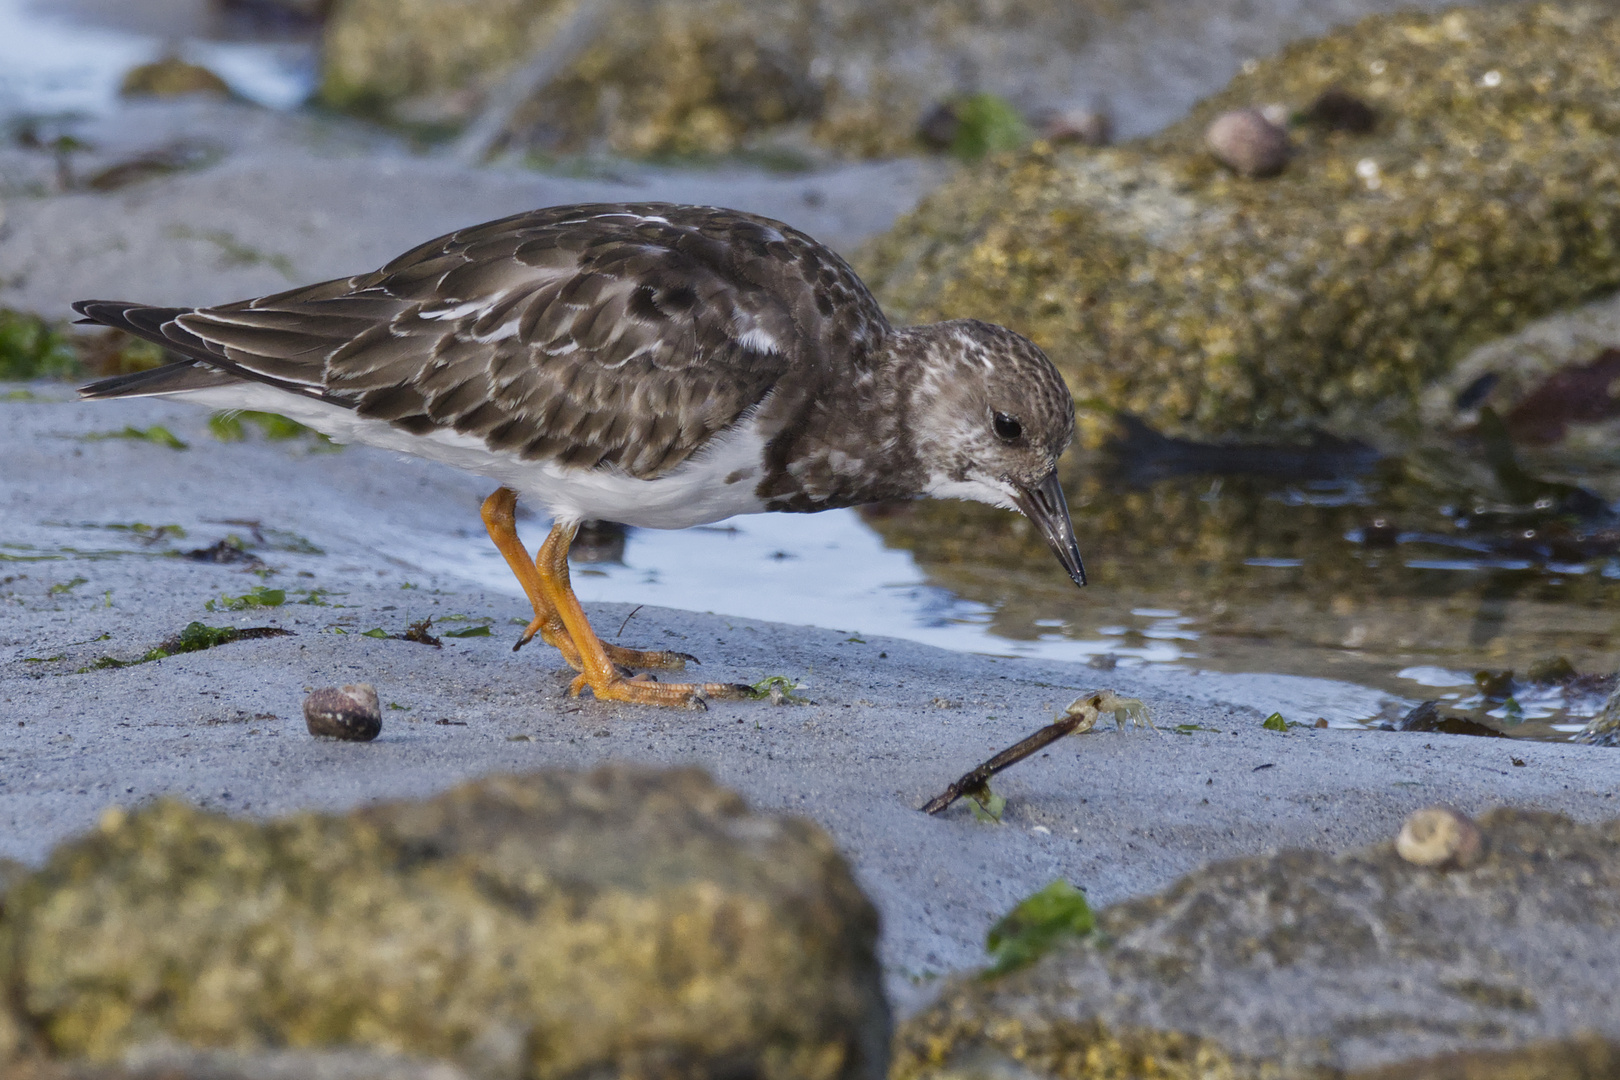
991 416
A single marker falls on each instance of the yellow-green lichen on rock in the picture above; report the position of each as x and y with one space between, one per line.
677 77
172 77
1165 286
1305 965
436 55
687 78
623 920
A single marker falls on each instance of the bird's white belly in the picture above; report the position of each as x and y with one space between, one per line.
715 483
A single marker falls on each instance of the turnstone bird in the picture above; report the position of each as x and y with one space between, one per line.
657 365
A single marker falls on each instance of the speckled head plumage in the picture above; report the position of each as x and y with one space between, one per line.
990 416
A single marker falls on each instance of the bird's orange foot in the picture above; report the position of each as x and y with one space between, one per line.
643 690
648 659
550 630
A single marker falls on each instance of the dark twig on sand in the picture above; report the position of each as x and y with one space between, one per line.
1080 716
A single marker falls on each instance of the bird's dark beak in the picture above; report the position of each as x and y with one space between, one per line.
1045 506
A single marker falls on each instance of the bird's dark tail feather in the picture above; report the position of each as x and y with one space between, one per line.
173 378
146 322
205 364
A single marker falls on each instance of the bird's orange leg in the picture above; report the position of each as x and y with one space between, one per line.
598 670
501 521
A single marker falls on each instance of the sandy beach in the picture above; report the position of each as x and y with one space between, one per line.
1118 813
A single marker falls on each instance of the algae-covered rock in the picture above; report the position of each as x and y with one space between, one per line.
1487 194
1305 965
709 76
551 925
1509 373
172 77
380 54
1604 728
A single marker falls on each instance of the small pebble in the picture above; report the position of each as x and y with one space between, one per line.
1440 837
939 126
1276 114
1089 127
344 712
1337 109
1249 144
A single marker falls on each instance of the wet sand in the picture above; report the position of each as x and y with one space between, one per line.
892 722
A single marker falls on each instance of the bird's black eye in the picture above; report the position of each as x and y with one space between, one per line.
1007 428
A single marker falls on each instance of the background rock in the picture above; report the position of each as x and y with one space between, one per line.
172 77
1503 374
685 77
1300 964
541 926
379 54
703 76
1332 295
1604 728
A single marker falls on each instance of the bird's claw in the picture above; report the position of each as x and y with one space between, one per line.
645 690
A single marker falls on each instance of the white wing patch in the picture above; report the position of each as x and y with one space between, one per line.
459 310
760 341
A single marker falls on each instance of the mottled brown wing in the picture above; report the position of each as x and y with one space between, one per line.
623 335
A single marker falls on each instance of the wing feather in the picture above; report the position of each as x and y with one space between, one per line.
599 335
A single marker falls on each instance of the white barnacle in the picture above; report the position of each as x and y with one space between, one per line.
1440 837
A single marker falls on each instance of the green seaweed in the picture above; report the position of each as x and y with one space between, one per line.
779 689
233 252
230 426
470 631
196 637
157 434
150 533
1056 913
986 806
1275 722
256 597
31 348
987 124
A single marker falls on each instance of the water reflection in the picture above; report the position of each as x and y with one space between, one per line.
1405 574
1351 594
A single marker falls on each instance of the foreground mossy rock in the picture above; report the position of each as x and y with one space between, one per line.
708 76
1488 193
1305 965
552 925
